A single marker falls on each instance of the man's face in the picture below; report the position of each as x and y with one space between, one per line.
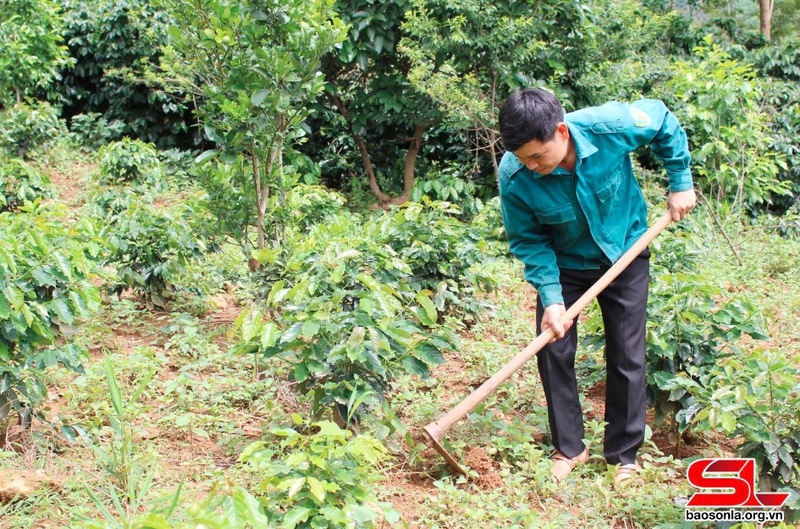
545 157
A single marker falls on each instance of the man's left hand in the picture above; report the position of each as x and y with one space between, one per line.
680 203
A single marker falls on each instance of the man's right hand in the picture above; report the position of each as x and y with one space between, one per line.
552 318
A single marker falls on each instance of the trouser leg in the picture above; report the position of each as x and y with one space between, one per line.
556 362
624 308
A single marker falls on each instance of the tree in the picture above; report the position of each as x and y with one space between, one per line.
379 108
31 48
254 67
765 8
467 56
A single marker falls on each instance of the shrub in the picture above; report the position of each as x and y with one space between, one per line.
31 49
345 310
352 303
21 182
692 325
45 270
150 246
92 131
26 128
757 397
130 161
321 479
488 225
444 254
111 42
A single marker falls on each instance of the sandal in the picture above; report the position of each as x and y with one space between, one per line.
625 474
563 465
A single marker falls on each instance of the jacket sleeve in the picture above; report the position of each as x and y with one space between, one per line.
530 243
651 123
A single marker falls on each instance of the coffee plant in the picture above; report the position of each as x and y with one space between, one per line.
21 182
345 310
756 397
130 161
692 326
351 303
26 129
322 478
150 246
45 269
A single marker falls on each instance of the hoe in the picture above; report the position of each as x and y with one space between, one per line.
434 432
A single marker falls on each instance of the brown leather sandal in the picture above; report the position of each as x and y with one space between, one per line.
563 465
625 474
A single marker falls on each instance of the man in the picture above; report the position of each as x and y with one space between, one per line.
571 207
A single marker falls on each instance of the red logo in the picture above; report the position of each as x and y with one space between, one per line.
734 481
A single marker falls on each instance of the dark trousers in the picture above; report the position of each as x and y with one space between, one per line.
624 308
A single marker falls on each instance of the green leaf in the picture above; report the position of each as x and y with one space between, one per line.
207 155
300 372
295 516
291 333
61 309
294 486
423 298
362 513
429 354
415 366
310 328
5 308
269 335
44 277
728 420
212 135
316 489
62 265
259 96
116 396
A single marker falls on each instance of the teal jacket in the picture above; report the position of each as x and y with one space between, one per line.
588 218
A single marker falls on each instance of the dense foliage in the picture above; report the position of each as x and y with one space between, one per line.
112 44
340 201
45 290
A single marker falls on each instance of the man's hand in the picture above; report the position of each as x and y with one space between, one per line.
552 318
681 203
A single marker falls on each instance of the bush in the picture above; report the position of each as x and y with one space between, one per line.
45 270
444 254
322 479
352 303
92 131
111 42
26 128
344 309
756 397
128 161
488 225
692 325
149 247
20 182
31 49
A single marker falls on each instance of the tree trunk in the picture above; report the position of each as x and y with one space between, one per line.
408 170
411 160
765 8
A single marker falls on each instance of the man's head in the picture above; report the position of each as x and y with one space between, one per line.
532 127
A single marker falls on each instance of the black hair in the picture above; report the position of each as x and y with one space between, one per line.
530 114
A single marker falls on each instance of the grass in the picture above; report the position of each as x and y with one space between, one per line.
202 406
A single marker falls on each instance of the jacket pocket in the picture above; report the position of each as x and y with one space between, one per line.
556 215
606 191
561 222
